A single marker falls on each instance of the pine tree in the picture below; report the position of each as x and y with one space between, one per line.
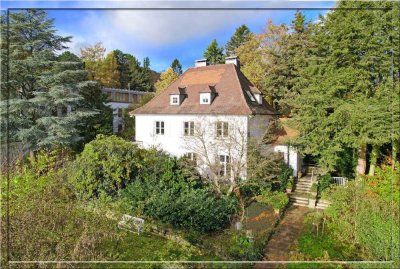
214 54
241 36
43 105
176 66
166 78
299 22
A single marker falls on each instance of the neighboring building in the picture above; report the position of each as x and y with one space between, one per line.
282 145
208 114
119 99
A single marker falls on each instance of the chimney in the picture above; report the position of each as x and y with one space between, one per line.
232 60
201 62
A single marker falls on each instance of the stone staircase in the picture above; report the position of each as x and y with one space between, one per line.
301 195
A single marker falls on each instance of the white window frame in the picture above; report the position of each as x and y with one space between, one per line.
205 98
174 99
159 127
222 129
189 128
225 167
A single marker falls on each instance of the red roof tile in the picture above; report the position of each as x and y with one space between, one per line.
227 80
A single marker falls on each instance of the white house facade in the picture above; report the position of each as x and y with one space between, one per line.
208 114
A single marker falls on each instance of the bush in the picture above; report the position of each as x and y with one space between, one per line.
359 216
277 200
193 209
242 248
176 196
324 182
106 165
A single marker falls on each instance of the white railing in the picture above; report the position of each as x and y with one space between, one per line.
340 180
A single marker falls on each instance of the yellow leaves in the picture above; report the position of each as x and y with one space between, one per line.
166 78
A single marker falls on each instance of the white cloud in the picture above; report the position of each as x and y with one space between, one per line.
168 27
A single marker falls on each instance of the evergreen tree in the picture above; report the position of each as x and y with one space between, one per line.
68 56
348 89
123 68
166 78
241 36
140 76
176 66
214 54
299 22
43 105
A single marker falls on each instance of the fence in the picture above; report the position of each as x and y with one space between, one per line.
339 180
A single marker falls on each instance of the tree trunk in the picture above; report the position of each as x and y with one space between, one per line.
374 158
362 159
395 150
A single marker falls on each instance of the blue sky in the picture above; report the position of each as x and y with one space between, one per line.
163 35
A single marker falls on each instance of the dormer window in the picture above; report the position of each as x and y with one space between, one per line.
258 98
205 98
174 99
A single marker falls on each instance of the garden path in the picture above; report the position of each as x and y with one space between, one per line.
286 234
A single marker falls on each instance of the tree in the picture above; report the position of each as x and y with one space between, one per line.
68 56
166 78
109 74
214 54
240 37
140 76
123 69
43 106
348 85
92 57
299 22
176 66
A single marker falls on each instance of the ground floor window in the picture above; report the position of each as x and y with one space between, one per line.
159 127
191 156
225 168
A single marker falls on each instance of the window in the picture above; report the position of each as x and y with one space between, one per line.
191 156
159 127
174 99
225 168
222 129
205 98
188 128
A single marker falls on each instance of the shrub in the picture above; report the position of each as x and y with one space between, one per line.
193 208
242 248
107 164
175 196
358 217
277 200
324 182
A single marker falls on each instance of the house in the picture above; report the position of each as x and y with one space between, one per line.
119 99
282 145
209 114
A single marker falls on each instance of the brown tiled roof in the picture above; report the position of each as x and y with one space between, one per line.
286 133
229 83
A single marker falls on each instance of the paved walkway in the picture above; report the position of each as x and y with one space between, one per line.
284 237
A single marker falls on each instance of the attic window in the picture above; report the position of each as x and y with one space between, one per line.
174 99
250 96
205 98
